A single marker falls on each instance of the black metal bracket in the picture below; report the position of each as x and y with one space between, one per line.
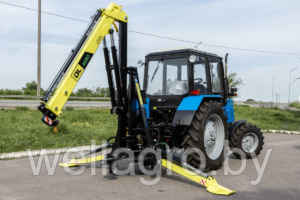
116 110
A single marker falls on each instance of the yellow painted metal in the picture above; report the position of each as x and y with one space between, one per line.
139 93
210 183
117 30
112 13
74 162
116 12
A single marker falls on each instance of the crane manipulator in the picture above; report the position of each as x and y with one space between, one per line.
127 99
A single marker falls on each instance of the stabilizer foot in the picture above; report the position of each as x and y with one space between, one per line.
209 182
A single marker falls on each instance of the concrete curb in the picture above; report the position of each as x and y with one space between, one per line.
22 154
281 131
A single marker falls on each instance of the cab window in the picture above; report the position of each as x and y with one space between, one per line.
215 74
200 81
167 77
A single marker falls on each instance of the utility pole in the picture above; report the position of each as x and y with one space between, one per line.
290 83
272 89
39 51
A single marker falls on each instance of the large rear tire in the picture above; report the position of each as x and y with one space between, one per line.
207 133
247 138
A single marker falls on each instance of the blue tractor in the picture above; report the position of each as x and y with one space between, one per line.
185 104
189 106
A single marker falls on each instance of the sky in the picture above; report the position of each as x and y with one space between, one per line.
265 25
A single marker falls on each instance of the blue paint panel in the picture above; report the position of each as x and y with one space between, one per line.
146 106
229 111
193 102
135 105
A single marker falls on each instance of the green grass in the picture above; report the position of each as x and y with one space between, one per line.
21 129
269 118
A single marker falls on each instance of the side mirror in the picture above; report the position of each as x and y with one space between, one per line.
192 58
233 90
140 63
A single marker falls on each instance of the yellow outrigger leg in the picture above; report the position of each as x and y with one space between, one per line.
175 164
208 181
76 161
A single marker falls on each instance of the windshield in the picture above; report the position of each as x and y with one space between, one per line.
167 77
215 74
200 82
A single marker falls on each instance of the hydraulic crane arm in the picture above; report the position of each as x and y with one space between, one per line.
67 78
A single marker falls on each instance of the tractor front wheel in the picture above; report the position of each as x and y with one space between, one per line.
248 138
207 133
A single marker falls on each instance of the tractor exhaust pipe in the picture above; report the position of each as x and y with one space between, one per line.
226 79
226 65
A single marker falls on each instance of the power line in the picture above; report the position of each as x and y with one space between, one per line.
215 45
224 47
43 12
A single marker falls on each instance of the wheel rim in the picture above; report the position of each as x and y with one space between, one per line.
214 136
250 142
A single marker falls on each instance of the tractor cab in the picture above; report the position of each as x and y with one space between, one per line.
172 74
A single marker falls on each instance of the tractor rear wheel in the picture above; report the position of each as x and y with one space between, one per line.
207 133
247 138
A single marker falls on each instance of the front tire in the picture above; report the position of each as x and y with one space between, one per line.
247 138
207 133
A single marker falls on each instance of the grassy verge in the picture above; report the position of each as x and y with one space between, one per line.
22 128
269 118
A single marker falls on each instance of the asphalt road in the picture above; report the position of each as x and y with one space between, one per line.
280 180
34 104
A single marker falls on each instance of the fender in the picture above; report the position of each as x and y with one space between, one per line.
188 107
235 125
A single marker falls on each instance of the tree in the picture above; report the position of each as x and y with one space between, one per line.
84 92
31 88
250 100
107 93
233 81
100 91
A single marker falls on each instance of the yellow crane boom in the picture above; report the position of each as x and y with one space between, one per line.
98 28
